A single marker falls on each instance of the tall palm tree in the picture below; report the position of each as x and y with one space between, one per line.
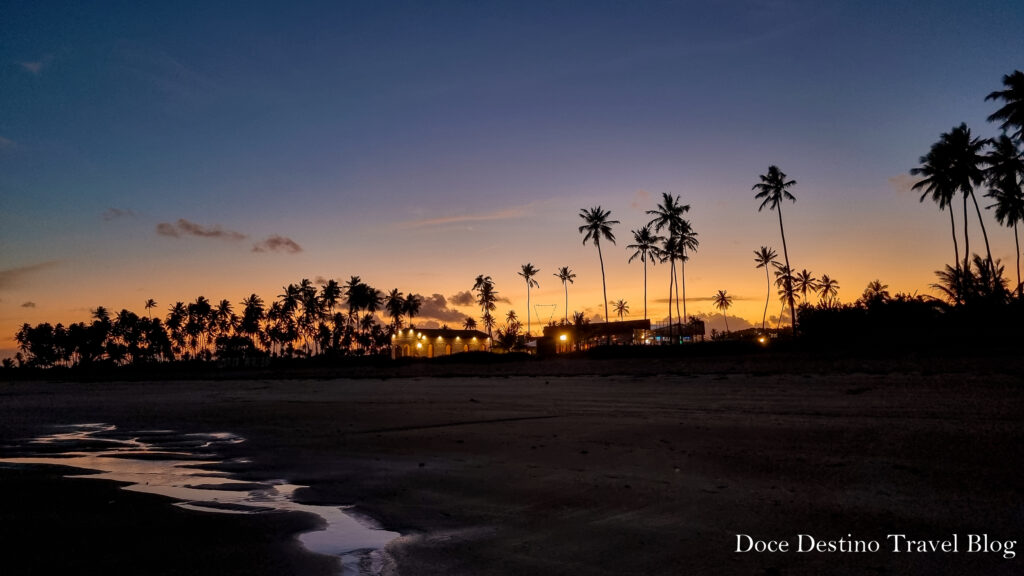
413 303
966 161
938 182
828 288
645 247
1004 176
686 242
772 190
469 323
784 281
723 301
566 276
1012 112
621 308
150 304
487 298
764 258
669 216
597 226
527 272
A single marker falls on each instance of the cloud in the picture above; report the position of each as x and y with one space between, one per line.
184 227
29 304
436 307
505 214
115 213
902 183
12 277
641 200
33 67
277 243
464 298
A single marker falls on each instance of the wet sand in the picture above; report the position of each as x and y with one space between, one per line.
634 473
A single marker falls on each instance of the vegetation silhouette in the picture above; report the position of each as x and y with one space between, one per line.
596 226
772 190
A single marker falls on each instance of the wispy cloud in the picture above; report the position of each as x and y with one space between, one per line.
641 200
34 68
29 304
115 213
277 243
185 227
902 183
12 277
504 214
163 73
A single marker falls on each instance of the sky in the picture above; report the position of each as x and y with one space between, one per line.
169 150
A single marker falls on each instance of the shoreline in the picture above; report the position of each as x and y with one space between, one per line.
624 474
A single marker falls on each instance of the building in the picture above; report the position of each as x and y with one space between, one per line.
568 337
434 342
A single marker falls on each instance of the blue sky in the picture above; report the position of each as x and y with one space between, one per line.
419 144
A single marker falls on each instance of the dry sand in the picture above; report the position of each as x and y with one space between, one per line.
635 473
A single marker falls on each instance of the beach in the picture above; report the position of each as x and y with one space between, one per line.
647 469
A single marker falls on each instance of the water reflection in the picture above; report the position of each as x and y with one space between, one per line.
179 466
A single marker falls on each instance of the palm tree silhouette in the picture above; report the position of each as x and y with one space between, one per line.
772 190
469 323
150 304
527 272
1012 112
723 301
804 282
669 216
686 241
597 226
621 308
764 258
486 297
413 303
828 288
566 276
966 171
938 182
645 247
394 303
1003 175
785 282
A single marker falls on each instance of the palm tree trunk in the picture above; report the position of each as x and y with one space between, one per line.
645 286
671 280
726 318
956 247
679 320
1016 241
789 275
767 296
988 251
527 307
566 287
604 287
967 240
682 277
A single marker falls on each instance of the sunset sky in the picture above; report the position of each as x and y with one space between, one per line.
168 150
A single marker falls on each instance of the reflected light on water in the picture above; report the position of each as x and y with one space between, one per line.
179 466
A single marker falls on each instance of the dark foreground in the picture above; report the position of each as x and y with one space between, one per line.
636 473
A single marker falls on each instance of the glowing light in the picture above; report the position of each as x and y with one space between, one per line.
563 338
419 345
761 340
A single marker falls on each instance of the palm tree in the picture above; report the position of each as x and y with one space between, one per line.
784 282
597 226
764 258
875 293
686 240
938 182
772 190
1012 112
566 276
486 297
804 282
966 161
413 303
394 303
527 272
252 315
1004 175
469 323
645 247
827 289
669 215
723 301
621 308
150 304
